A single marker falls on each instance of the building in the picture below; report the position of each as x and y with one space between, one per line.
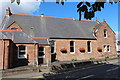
33 40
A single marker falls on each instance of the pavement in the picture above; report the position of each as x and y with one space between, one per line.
28 75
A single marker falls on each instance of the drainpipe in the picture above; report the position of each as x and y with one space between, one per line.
35 60
3 51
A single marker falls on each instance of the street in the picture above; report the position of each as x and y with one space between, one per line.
108 71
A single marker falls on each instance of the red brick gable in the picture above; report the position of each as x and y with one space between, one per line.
15 26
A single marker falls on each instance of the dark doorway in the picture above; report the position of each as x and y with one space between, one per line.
53 57
40 61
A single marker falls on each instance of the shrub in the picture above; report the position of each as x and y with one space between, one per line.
92 58
74 60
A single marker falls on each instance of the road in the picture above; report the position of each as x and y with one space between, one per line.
110 71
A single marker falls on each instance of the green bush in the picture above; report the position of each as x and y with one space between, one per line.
92 58
56 60
74 60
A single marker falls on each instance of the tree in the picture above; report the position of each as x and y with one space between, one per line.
85 8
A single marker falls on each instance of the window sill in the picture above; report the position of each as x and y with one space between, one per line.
52 53
41 56
22 58
105 37
72 52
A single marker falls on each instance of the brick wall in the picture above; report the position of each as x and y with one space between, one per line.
100 42
32 54
65 43
110 40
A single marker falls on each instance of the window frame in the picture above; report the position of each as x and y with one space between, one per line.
54 46
90 47
73 46
41 51
105 33
25 55
105 48
108 48
14 28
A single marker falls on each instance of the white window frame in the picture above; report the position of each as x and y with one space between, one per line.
108 47
54 48
41 56
105 30
25 56
74 48
90 47
105 48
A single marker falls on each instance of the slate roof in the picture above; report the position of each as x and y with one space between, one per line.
36 26
42 41
97 26
2 36
19 37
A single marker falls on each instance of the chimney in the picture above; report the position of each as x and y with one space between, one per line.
8 11
96 19
104 20
73 19
42 14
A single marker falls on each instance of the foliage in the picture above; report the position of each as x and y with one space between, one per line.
92 58
85 8
74 60
56 60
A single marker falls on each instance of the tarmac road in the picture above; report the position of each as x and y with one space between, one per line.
110 71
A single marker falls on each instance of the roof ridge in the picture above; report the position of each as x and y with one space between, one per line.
53 17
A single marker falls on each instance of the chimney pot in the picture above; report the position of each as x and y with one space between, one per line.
8 11
42 14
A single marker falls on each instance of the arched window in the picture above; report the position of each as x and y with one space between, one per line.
89 46
105 33
108 48
21 52
72 48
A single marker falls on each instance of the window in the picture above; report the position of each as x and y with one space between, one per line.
89 46
108 48
105 33
21 52
52 46
72 49
14 28
105 48
40 52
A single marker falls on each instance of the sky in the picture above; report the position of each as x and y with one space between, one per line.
68 10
